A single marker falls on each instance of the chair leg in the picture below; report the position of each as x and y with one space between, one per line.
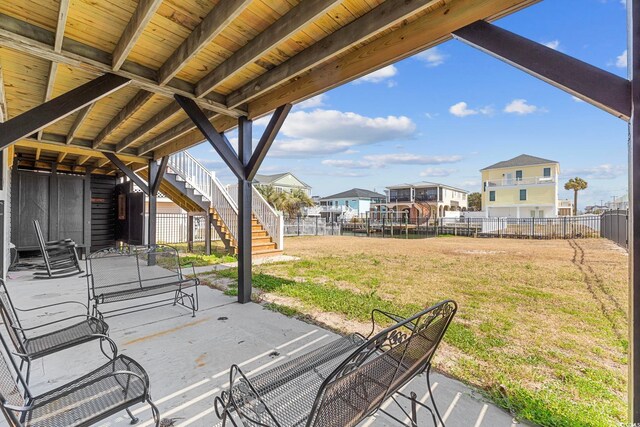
134 419
433 401
154 411
414 410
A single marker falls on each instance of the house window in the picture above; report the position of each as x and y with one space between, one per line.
546 172
523 194
492 196
518 175
346 203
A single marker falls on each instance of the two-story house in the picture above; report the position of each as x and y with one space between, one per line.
284 182
421 199
357 200
523 187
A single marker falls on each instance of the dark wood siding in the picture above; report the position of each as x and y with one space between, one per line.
103 212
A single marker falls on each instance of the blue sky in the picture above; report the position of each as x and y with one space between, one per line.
444 114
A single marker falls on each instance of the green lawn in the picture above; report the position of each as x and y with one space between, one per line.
541 326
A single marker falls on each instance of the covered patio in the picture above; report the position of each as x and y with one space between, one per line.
188 359
97 97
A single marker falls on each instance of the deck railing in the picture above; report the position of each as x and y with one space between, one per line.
271 220
208 185
534 180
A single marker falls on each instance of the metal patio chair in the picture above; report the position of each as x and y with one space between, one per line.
36 342
99 394
60 257
345 381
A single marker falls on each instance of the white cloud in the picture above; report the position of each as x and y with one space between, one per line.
411 159
323 132
377 161
432 57
553 44
521 107
315 102
621 60
603 171
575 98
437 172
461 109
379 76
350 164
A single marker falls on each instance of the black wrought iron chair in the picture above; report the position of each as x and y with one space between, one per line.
133 273
342 383
99 394
60 257
35 342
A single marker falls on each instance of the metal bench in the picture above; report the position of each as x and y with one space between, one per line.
46 338
131 273
343 382
60 257
107 390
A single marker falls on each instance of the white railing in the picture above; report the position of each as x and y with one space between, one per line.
207 184
271 220
521 181
189 169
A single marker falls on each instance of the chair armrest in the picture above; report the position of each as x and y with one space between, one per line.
50 323
53 305
396 318
239 400
189 264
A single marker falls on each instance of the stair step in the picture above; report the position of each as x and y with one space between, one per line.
262 246
256 228
261 233
266 253
260 240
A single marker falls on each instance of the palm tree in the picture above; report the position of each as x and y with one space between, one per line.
576 184
295 201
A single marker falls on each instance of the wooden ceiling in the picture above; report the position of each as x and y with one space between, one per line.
233 57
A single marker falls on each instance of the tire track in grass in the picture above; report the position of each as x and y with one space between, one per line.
592 281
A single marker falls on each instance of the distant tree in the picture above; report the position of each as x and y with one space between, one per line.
296 200
474 200
576 184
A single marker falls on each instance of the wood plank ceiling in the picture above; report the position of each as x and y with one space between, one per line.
233 57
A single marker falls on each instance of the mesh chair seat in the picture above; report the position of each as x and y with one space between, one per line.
290 389
66 337
134 291
91 396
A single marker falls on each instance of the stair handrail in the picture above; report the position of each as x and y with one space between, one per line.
193 172
209 186
271 220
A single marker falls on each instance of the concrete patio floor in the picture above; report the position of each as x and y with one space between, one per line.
187 358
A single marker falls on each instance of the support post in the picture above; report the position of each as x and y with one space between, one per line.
634 225
207 233
244 213
189 231
153 206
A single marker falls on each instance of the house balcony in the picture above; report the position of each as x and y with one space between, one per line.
535 180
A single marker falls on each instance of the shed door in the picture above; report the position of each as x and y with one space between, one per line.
129 215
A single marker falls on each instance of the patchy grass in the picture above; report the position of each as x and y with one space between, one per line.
198 258
541 326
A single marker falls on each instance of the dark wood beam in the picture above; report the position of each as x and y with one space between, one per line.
591 84
281 30
382 17
633 231
245 198
155 184
4 114
139 20
139 99
128 172
211 26
169 135
218 141
80 118
164 114
58 108
266 140
33 40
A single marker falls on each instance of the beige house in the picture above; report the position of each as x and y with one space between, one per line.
284 182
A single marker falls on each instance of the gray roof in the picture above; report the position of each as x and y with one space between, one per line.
521 160
358 193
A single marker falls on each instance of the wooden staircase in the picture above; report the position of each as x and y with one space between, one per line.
183 194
